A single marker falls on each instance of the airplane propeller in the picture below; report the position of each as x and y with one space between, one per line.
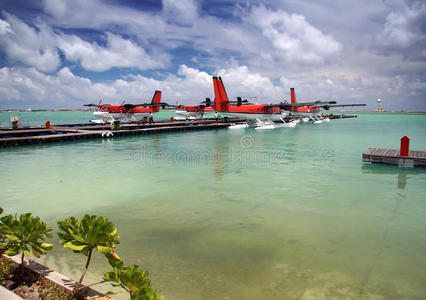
96 105
241 101
92 104
206 103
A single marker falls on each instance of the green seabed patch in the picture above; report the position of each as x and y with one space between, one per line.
240 253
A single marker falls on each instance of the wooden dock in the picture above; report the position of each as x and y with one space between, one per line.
73 132
39 135
390 156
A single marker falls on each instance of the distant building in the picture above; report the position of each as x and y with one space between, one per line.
379 105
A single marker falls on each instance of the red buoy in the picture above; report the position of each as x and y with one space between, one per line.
405 146
172 119
48 124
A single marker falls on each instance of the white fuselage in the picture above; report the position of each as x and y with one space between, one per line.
189 113
119 116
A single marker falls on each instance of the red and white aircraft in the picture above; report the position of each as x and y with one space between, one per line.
195 111
127 112
262 114
242 110
312 112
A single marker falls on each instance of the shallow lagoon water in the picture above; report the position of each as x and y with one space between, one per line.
290 213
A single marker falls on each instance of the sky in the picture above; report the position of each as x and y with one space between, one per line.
65 53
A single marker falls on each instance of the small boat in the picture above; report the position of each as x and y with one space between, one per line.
239 126
261 125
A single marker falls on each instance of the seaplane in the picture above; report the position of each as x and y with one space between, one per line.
261 116
127 112
312 113
188 112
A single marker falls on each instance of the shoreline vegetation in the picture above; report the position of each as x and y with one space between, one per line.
21 236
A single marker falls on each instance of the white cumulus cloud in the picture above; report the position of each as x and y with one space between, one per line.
39 47
405 29
5 27
182 12
118 52
32 46
293 38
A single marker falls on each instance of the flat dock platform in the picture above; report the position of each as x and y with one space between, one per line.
390 156
62 133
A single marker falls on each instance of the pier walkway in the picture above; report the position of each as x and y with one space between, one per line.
390 156
61 133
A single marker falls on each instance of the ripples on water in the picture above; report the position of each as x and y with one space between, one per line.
285 214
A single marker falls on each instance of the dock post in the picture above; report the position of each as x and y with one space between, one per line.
405 145
15 122
115 125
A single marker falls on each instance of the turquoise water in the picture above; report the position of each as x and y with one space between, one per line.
290 213
39 118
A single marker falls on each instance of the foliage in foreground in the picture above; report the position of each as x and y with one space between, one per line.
86 234
2 231
24 233
132 279
19 235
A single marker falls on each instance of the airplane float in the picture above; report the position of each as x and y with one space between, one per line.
127 112
262 116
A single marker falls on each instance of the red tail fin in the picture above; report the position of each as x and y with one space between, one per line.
293 98
156 99
220 97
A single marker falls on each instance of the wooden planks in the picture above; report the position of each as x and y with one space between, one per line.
391 156
61 134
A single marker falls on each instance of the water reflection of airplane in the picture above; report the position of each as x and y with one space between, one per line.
312 112
127 112
220 159
261 115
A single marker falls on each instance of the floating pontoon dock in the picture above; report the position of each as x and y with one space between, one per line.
390 156
61 133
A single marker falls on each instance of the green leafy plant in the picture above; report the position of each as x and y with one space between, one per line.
86 234
25 233
6 269
2 232
132 279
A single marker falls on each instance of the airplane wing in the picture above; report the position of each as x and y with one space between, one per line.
327 107
161 104
288 106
